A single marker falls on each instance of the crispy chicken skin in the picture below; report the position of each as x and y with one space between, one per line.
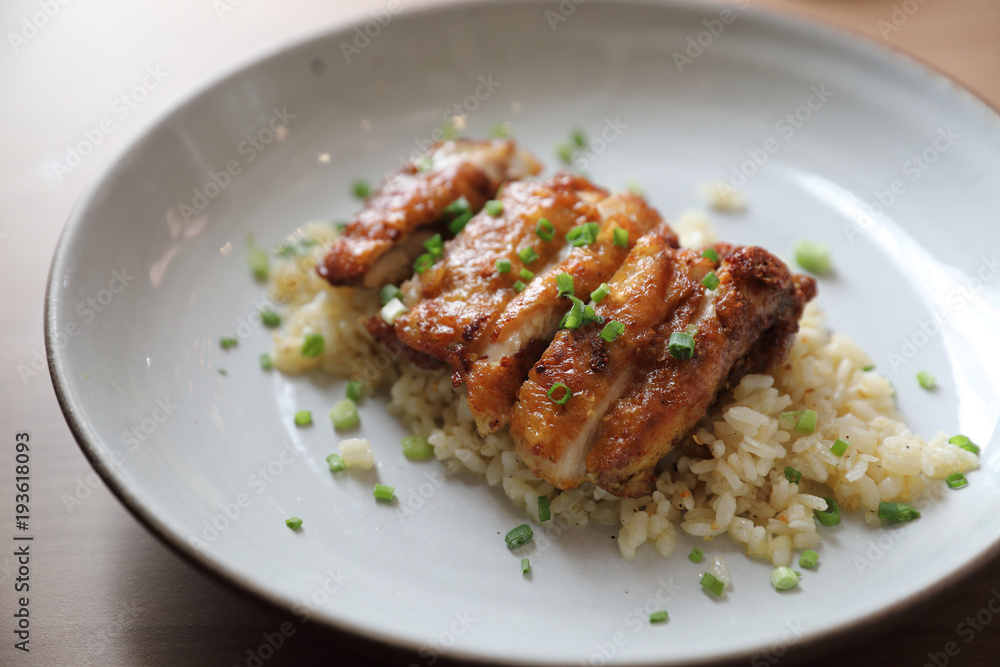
632 401
469 315
553 439
379 245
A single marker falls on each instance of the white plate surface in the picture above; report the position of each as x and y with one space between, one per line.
223 450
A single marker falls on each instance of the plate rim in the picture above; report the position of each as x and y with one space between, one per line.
93 446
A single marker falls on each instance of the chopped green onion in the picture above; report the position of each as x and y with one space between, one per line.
809 559
544 513
897 512
458 224
423 262
564 283
303 418
793 475
503 265
416 448
392 310
565 396
565 152
711 255
839 447
691 330
293 522
270 318
710 281
926 380
696 555
584 234
228 342
602 291
313 345
831 515
353 390
619 237
526 274
784 578
500 130
578 138
956 481
435 245
634 186
223 372
681 345
494 207
361 189
545 230
658 617
612 330
964 442
384 492
525 566
869 367
344 415
807 422
460 212
259 263
425 163
388 293
589 315
791 417
265 361
519 286
813 257
448 130
519 536
336 462
574 318
527 254
711 584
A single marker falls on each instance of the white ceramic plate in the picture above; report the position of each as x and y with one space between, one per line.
142 358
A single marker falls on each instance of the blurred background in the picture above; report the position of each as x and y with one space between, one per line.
104 590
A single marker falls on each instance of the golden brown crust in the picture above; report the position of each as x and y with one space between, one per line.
378 245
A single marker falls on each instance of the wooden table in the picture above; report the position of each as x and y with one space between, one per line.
103 590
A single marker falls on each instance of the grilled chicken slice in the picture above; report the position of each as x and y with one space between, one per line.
472 317
379 245
636 400
553 439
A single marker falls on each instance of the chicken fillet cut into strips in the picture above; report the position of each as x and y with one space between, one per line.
379 245
469 315
660 399
553 439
